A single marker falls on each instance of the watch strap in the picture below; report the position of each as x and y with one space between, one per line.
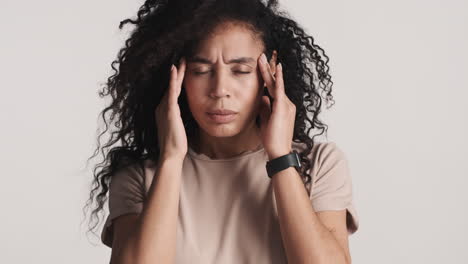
283 162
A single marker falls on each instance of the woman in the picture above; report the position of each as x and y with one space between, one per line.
208 93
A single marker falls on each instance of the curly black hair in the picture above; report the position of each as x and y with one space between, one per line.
165 31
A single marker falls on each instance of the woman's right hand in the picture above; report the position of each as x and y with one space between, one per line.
171 132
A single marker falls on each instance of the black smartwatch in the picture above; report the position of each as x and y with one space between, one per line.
280 163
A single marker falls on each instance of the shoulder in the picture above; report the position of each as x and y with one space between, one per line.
133 170
323 157
329 152
321 151
128 178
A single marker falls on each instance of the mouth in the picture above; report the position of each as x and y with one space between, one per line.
221 112
222 118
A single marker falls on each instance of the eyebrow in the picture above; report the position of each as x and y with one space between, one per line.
198 59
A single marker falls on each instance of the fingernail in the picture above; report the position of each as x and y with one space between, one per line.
280 67
172 67
263 58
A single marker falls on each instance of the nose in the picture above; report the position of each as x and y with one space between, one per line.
220 85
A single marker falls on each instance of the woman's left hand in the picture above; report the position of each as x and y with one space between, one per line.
276 125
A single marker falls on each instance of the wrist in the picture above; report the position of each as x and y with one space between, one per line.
277 154
282 162
175 160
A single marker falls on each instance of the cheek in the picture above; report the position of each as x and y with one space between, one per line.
195 87
251 99
193 100
192 97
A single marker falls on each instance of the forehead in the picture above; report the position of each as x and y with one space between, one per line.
230 40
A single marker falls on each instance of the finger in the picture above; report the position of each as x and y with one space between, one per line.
172 98
279 84
273 62
265 109
181 74
266 75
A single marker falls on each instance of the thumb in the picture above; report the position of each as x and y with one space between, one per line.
265 109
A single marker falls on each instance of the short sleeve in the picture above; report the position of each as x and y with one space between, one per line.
331 183
126 195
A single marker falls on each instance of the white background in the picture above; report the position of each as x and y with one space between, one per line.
400 86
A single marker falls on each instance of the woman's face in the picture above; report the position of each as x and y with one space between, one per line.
223 75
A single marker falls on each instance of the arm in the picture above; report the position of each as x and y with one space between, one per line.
152 238
306 237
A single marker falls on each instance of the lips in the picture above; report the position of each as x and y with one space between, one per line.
222 115
222 112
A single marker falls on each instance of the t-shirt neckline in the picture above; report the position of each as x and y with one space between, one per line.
246 154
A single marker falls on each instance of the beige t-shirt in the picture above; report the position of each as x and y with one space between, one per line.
227 209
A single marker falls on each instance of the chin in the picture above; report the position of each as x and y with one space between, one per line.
221 130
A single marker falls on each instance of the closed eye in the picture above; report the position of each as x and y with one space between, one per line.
199 73
239 72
